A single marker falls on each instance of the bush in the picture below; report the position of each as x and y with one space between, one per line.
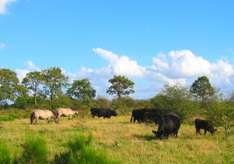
5 157
34 151
81 152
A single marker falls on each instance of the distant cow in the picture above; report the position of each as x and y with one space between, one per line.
65 112
204 124
138 115
145 115
102 112
168 125
40 114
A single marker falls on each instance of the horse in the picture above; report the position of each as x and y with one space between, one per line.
40 114
65 112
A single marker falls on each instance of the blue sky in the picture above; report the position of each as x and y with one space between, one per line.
63 33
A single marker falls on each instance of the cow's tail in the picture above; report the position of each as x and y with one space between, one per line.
131 120
32 117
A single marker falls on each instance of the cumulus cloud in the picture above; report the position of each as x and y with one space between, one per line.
29 67
174 67
3 5
120 64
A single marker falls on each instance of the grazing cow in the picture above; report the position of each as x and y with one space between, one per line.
168 125
101 112
42 115
204 124
65 112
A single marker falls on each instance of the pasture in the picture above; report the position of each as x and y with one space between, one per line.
123 141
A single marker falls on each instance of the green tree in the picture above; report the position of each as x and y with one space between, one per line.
82 89
202 89
33 81
54 81
8 85
120 86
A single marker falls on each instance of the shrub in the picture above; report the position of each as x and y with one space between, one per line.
80 151
5 157
34 151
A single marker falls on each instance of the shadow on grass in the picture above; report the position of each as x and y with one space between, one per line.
146 137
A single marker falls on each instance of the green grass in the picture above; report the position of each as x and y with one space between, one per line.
121 140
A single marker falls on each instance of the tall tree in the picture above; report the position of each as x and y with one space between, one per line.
82 89
54 81
202 89
120 86
33 81
8 84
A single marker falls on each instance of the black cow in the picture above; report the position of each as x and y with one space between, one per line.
204 124
145 115
101 112
138 115
168 125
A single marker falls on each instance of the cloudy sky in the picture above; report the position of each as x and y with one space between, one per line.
153 42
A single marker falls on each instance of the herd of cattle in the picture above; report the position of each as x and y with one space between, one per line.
168 124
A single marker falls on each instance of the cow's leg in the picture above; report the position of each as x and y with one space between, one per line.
205 131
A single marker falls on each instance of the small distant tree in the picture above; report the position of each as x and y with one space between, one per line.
120 86
82 89
54 81
33 82
202 89
8 85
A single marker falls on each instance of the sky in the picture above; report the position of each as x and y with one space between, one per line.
152 42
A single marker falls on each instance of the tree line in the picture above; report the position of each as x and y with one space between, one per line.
50 88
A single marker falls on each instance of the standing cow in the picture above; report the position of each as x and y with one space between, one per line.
168 125
204 124
102 112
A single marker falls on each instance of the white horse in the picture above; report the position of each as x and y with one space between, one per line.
40 114
65 112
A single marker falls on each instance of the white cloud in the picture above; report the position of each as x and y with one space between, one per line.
121 65
29 67
3 5
182 66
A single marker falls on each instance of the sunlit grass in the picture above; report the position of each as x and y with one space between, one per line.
129 143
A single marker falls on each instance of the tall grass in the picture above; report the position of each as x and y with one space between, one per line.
35 151
81 151
5 157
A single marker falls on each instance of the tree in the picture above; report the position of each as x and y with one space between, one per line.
202 89
33 82
8 85
120 86
82 89
54 81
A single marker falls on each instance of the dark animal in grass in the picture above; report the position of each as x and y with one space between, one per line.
145 115
103 112
168 125
204 124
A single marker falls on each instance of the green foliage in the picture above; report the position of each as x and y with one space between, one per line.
177 99
120 86
123 105
81 151
222 114
54 81
32 81
5 157
102 102
202 89
8 84
82 89
35 151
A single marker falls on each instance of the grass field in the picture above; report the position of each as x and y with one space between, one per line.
123 141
